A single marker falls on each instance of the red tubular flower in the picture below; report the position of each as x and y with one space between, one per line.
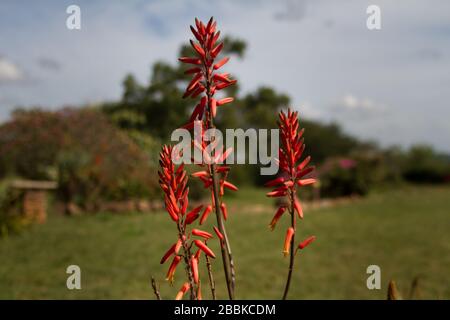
190 60
276 193
173 182
277 217
298 208
306 182
184 288
200 174
287 240
294 173
193 215
204 248
206 81
201 233
194 266
229 185
306 242
173 266
173 249
219 234
198 48
224 101
206 50
224 209
199 292
213 107
221 63
178 245
205 214
198 254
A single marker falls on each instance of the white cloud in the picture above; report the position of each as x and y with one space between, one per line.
307 110
293 10
351 103
9 72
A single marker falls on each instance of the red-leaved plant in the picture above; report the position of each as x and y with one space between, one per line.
205 83
173 181
293 173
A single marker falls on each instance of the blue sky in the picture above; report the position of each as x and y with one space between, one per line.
390 85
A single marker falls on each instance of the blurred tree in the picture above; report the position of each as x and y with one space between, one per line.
424 165
91 159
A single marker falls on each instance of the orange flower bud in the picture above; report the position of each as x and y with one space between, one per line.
173 266
287 241
200 174
194 82
178 245
298 208
221 63
201 233
204 248
182 291
190 60
277 217
221 78
193 215
306 242
277 193
216 50
219 234
205 214
304 163
304 172
168 254
274 182
223 207
198 49
306 182
199 90
199 292
213 28
195 33
194 267
224 85
230 186
197 254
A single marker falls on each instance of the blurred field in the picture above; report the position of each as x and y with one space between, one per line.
405 232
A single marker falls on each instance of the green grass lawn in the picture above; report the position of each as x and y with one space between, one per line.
405 232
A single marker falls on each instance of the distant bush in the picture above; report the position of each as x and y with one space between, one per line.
90 158
11 220
424 165
341 177
355 175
